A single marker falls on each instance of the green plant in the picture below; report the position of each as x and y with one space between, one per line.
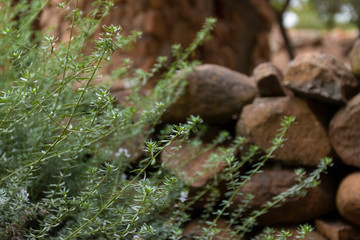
64 170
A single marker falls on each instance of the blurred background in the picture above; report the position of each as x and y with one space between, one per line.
248 32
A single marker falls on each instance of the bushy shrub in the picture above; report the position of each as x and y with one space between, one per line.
64 172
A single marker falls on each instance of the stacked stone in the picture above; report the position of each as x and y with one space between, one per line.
323 94
235 44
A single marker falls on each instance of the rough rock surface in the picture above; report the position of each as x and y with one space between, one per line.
337 229
269 80
195 228
347 198
271 182
188 161
307 140
354 58
345 132
215 93
236 44
321 76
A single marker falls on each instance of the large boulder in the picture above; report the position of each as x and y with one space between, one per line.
347 198
345 132
307 142
321 76
271 182
215 93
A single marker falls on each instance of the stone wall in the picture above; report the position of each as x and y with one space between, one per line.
240 37
324 95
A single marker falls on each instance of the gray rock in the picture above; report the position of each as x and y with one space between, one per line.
321 76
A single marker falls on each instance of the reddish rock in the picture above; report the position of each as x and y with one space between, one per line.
163 20
354 58
345 132
50 17
149 63
271 182
155 23
213 92
321 76
188 162
347 198
229 56
269 80
156 3
145 46
195 228
307 142
337 229
178 35
222 32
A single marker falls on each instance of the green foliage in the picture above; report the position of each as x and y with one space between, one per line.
278 5
64 170
319 14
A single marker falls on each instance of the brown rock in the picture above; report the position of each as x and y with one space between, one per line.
155 23
138 22
156 3
146 45
347 198
345 132
158 19
269 80
213 92
229 56
337 229
271 182
50 17
222 31
321 76
307 141
195 228
178 31
149 63
191 163
354 58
